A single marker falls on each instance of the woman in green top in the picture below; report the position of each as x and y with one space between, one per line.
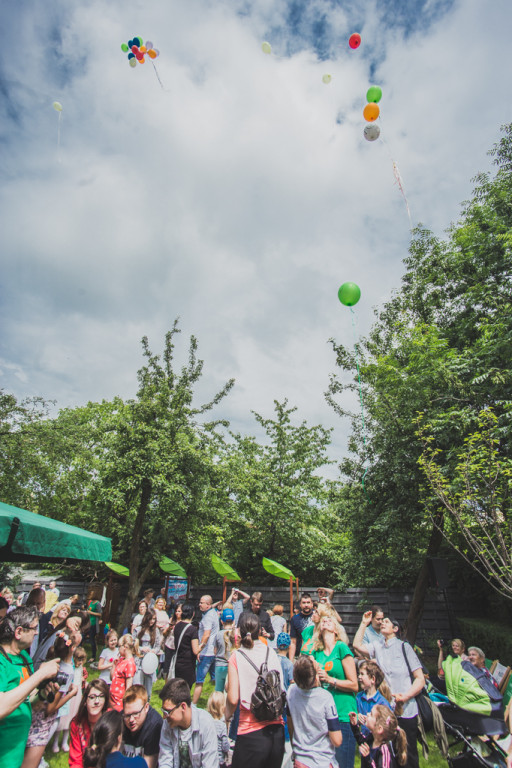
94 611
338 674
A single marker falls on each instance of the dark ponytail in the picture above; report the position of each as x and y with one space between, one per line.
104 738
249 627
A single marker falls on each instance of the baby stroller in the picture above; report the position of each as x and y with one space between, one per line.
473 718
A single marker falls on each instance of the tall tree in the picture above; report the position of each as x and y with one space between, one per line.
440 346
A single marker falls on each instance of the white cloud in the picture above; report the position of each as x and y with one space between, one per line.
232 197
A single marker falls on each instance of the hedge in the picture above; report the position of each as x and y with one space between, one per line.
494 639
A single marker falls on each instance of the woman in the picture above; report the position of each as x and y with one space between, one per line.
50 620
338 674
104 749
169 638
186 643
77 621
311 633
259 743
458 649
150 641
137 619
94 703
94 611
162 617
404 677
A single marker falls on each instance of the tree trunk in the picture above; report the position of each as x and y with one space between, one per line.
136 579
420 590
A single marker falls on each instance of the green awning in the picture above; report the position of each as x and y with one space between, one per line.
173 569
121 570
223 569
29 538
276 569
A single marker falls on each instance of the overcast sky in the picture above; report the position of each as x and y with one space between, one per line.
239 196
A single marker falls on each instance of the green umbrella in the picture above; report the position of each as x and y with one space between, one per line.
276 569
224 570
29 538
119 569
173 569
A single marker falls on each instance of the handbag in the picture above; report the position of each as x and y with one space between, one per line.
172 665
422 700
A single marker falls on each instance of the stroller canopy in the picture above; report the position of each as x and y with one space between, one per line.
470 687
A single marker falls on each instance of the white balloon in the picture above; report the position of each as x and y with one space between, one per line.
57 106
326 79
149 663
371 132
148 44
266 47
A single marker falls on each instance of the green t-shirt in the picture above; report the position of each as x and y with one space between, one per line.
307 640
95 606
333 664
14 728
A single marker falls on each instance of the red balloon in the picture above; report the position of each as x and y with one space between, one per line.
139 56
354 40
135 49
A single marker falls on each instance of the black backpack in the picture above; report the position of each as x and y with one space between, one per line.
268 699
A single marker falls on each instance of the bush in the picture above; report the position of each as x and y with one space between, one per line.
494 639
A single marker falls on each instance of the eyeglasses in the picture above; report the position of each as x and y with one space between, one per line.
31 629
132 714
95 697
167 712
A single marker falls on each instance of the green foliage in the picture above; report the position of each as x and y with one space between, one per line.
493 638
442 347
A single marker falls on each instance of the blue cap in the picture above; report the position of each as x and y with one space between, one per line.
283 640
228 614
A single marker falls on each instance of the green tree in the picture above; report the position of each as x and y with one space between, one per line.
440 346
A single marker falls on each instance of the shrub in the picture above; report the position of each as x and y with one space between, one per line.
494 639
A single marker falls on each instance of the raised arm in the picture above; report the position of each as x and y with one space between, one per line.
358 642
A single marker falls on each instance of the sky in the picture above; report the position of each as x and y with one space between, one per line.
238 194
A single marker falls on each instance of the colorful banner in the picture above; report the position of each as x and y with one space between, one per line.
176 590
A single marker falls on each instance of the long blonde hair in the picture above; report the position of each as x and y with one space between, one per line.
327 611
54 621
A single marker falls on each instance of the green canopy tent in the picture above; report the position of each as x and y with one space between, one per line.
29 538
226 571
276 569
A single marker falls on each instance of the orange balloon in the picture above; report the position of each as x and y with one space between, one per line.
143 49
371 112
152 53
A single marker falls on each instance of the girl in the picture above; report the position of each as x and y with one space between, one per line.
94 611
386 744
70 709
95 702
108 656
137 619
224 645
45 713
216 707
150 641
169 647
104 749
123 672
278 623
370 678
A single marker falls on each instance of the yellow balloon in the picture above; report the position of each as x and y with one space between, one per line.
371 112
266 47
57 106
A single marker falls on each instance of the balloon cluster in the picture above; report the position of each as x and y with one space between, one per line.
136 50
371 112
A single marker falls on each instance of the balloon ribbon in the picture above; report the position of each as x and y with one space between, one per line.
360 395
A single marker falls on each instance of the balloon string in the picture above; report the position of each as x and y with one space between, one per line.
399 181
360 394
58 136
156 73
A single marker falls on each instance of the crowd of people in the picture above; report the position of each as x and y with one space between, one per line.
286 692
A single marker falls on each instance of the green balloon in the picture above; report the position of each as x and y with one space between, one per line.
374 94
124 47
349 294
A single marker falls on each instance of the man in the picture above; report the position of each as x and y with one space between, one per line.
189 736
142 726
208 628
298 624
404 677
17 681
238 600
266 628
52 587
149 597
373 633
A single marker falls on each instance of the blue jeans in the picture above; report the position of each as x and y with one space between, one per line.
345 754
204 665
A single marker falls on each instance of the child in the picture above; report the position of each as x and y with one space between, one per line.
108 656
123 672
386 744
45 713
313 721
283 643
69 710
278 623
216 707
224 645
370 678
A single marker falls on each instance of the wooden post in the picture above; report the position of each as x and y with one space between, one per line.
297 585
105 619
291 598
224 589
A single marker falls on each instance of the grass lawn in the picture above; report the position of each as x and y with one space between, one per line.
61 759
